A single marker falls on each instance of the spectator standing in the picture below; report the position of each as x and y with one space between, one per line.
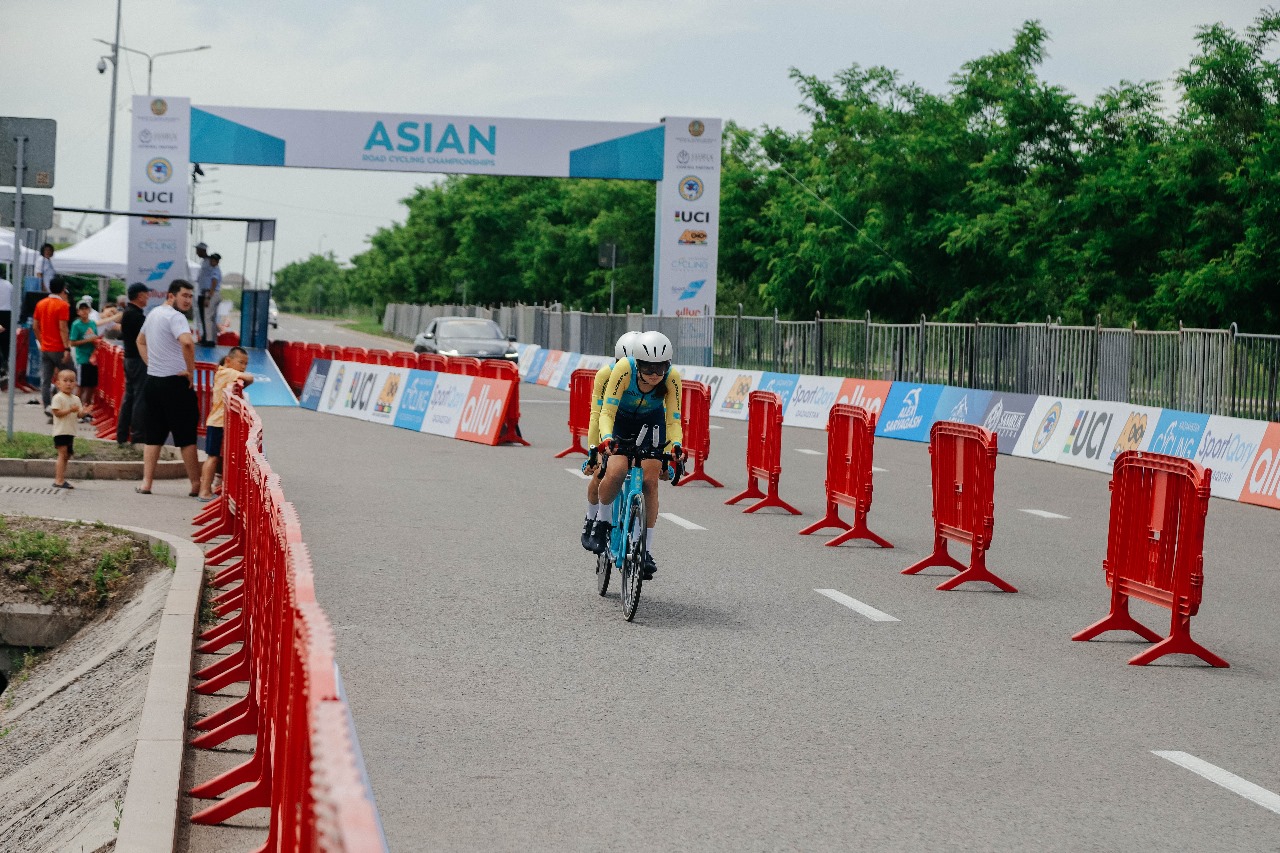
65 407
45 269
51 323
204 284
229 372
6 320
169 349
130 425
84 338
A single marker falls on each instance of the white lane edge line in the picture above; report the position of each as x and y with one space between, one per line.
876 470
857 606
1224 778
578 473
1046 514
683 522
715 426
808 451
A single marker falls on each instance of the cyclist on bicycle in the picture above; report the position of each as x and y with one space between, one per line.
643 390
599 511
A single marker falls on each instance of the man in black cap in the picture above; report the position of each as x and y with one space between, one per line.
130 425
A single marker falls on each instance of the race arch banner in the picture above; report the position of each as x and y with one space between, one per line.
680 154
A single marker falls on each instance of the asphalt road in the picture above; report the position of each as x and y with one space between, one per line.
503 705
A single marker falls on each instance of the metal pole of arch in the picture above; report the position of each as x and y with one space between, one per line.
15 299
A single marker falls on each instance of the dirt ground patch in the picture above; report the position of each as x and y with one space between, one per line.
72 564
69 717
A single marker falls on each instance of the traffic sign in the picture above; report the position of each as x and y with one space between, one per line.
37 211
41 136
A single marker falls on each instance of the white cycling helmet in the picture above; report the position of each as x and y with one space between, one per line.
653 346
622 349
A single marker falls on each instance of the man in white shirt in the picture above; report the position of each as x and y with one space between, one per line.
6 318
169 350
204 292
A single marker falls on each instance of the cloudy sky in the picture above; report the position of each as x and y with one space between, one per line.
611 60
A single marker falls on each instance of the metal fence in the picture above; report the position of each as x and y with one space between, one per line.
1214 371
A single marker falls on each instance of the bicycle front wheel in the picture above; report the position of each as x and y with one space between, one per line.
633 567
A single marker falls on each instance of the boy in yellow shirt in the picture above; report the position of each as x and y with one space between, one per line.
230 370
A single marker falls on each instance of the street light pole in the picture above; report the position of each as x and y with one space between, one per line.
111 122
152 57
116 47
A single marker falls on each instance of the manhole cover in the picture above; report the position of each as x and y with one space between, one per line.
31 490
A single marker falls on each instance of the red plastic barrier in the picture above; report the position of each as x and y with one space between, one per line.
333 352
304 767
111 379
495 369
228 339
19 371
431 361
963 459
401 358
851 432
764 452
464 365
1155 550
278 350
357 354
695 422
202 383
581 384
380 356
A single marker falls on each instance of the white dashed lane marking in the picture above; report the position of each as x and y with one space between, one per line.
1218 776
1045 514
715 426
857 606
876 470
577 472
683 522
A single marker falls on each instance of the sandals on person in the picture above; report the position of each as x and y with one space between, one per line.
141 490
63 486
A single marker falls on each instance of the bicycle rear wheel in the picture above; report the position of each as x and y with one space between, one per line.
604 564
633 566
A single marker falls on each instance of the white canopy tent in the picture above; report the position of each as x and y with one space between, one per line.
105 253
28 256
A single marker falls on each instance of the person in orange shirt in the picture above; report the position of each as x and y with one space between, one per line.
51 322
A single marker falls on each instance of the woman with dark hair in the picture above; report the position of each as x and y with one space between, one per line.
44 267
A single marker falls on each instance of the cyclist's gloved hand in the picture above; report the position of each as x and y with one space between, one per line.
677 452
609 445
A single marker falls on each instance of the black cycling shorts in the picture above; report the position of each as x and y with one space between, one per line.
650 433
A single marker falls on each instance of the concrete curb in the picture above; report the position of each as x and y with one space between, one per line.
165 470
149 820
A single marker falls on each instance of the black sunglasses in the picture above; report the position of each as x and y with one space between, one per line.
653 368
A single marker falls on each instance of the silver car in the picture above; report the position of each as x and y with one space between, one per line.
470 336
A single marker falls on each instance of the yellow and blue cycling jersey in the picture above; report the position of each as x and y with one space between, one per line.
626 408
597 399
